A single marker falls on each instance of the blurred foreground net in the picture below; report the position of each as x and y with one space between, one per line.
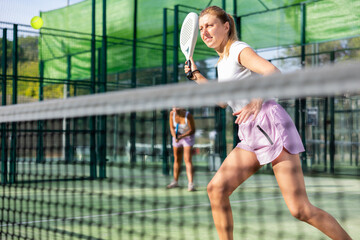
96 167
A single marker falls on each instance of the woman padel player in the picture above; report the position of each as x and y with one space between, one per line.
266 131
182 128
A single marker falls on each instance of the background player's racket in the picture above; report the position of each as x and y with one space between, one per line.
176 130
188 36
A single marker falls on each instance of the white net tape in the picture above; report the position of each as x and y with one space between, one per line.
329 80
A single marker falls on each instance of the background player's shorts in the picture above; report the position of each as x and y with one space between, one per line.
271 131
188 141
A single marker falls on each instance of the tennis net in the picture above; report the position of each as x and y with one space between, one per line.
97 166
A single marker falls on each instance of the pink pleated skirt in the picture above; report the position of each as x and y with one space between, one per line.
271 132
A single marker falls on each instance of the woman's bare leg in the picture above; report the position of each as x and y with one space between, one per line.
237 167
290 178
188 163
178 155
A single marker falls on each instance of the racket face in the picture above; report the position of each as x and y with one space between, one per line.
188 34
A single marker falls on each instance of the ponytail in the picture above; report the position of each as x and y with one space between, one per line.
232 34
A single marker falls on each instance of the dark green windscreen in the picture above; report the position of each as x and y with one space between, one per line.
264 24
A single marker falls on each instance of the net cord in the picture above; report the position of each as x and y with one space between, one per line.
329 80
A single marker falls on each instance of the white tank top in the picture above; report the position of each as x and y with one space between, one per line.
182 127
229 69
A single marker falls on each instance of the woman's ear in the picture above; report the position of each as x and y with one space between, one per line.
227 26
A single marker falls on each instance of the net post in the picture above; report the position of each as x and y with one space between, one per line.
220 143
303 133
132 138
93 45
302 103
357 153
332 135
92 120
102 148
4 170
325 132
175 51
164 113
223 152
296 114
332 125
165 153
68 155
4 67
40 130
351 123
176 44
12 176
133 85
102 88
92 126
164 48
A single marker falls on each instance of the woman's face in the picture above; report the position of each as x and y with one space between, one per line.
213 32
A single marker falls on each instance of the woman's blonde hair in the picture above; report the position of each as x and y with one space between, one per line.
224 17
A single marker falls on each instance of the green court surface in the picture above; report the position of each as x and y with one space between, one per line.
133 203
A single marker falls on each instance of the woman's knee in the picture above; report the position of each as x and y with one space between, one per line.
211 190
177 163
217 190
303 212
188 162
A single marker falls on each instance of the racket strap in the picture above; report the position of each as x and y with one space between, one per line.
190 74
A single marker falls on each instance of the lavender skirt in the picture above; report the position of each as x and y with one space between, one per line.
271 131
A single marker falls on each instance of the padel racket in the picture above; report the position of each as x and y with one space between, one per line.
176 130
188 36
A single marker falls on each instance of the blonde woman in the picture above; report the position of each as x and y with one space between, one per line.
266 131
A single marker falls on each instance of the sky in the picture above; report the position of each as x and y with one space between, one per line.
21 11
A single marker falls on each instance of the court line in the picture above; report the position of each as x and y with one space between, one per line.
151 210
134 212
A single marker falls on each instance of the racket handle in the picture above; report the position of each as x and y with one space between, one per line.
177 131
189 74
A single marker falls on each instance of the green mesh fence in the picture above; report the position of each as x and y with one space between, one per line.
55 46
332 20
263 24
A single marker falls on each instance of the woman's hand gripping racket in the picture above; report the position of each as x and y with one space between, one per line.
188 36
